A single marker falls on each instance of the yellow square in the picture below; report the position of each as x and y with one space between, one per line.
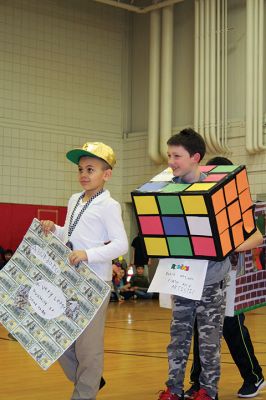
156 246
194 205
200 186
146 205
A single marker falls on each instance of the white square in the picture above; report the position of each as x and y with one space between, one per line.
199 226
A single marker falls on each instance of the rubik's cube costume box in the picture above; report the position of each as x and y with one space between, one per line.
204 220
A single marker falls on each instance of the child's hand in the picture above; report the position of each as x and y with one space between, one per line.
77 256
47 226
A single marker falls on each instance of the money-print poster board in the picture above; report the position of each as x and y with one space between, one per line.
44 301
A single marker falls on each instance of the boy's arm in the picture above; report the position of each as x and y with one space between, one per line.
253 241
118 243
50 226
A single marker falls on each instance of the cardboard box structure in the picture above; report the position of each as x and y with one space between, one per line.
204 220
251 271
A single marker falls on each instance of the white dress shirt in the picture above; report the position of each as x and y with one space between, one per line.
100 223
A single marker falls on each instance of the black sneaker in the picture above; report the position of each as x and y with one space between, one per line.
102 383
190 393
251 389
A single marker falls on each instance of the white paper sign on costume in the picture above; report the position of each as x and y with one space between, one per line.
44 301
165 300
181 277
230 295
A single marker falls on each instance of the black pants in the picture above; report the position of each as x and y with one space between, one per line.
240 346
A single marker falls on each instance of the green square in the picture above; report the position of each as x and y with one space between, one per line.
224 168
179 246
175 187
170 205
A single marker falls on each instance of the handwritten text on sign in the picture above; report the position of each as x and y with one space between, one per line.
180 277
47 300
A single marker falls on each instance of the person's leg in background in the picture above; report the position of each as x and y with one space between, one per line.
143 295
241 348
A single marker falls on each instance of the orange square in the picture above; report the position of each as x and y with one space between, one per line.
238 234
225 242
248 219
218 200
242 181
230 191
222 221
245 200
234 212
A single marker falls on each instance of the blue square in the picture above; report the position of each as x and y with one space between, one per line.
152 187
175 226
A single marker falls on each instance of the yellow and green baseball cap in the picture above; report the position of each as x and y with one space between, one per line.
93 149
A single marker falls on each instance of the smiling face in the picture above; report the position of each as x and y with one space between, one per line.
92 174
183 164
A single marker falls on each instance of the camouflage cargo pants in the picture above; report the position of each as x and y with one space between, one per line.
210 314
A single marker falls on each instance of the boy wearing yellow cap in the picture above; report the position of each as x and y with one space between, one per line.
95 233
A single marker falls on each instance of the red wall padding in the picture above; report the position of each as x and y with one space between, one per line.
15 220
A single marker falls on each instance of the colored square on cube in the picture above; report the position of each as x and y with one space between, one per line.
218 201
170 205
206 168
200 187
230 191
214 177
245 200
222 221
203 246
204 220
242 181
226 242
156 247
225 168
175 187
194 204
234 212
152 186
248 221
199 226
151 225
238 233
146 205
179 246
175 226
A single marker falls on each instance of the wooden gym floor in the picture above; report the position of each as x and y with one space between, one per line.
137 333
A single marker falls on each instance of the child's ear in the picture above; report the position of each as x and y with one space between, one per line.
107 174
196 157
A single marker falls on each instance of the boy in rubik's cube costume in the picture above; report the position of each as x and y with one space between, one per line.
196 212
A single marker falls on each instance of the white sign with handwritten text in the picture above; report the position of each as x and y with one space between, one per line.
180 277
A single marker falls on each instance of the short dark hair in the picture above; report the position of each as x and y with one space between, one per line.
219 161
192 141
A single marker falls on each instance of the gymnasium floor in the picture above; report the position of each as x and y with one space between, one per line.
137 333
